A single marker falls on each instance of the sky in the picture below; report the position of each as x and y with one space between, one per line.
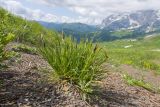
69 11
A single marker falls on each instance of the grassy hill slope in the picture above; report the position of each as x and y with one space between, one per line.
139 53
24 30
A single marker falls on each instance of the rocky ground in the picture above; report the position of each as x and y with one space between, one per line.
24 84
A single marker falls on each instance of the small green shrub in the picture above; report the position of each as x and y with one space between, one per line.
78 63
4 40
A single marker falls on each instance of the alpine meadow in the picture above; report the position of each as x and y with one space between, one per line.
71 53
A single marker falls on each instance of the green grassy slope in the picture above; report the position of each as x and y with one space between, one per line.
24 30
144 53
121 33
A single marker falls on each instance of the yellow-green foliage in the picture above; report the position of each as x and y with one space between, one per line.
78 63
25 31
4 40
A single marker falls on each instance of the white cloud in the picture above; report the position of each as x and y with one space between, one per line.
87 11
18 9
99 9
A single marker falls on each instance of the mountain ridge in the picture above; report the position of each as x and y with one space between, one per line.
147 18
116 26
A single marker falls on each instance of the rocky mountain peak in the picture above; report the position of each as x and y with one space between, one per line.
143 18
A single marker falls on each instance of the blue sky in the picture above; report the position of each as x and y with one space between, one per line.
68 11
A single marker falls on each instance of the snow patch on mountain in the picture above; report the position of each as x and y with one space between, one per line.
158 14
133 24
147 20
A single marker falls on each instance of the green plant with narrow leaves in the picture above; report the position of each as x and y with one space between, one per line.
25 48
131 81
4 40
78 63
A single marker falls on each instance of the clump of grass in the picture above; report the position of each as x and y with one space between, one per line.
78 63
135 82
25 49
4 40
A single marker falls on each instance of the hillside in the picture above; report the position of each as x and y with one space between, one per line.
137 58
77 30
77 27
25 31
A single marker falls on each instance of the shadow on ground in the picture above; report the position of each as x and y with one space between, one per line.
26 89
109 98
